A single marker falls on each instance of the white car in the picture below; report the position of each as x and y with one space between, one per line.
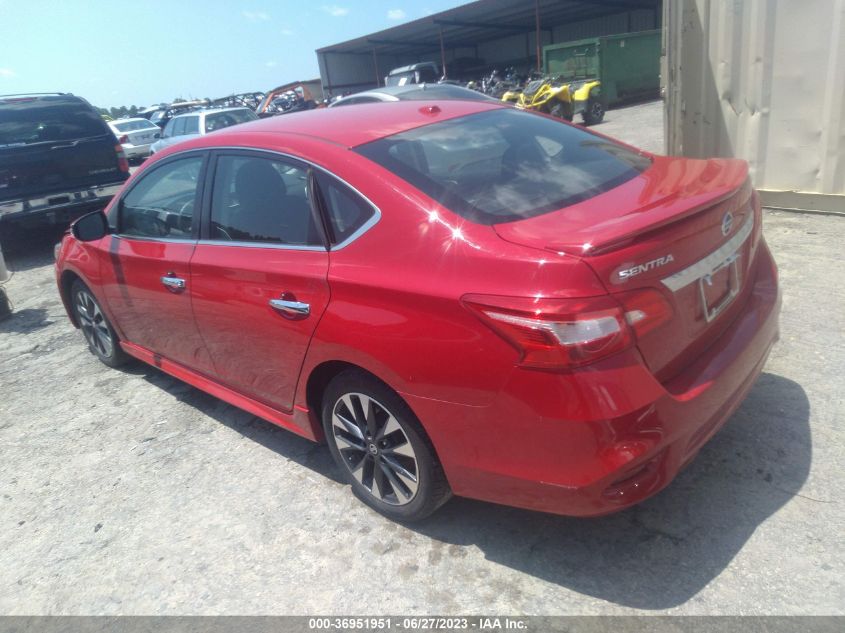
192 124
136 136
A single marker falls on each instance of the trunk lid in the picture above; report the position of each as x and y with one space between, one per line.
684 228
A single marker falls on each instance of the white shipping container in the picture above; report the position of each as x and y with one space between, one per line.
762 80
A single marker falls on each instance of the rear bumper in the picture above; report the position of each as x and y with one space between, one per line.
136 151
598 441
59 207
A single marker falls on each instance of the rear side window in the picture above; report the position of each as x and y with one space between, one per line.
45 120
505 165
262 200
346 210
161 205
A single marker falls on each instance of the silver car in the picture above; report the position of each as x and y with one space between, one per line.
413 92
186 126
136 136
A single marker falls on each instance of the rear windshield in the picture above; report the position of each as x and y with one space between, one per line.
505 165
44 120
132 126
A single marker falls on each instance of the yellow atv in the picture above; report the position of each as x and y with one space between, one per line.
563 99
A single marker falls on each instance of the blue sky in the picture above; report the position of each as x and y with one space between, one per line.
142 52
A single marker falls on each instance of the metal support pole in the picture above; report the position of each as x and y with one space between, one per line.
442 54
375 65
537 34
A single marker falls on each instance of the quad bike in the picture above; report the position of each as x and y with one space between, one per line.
562 99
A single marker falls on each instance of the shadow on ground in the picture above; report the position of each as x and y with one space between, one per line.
316 457
25 321
28 249
654 556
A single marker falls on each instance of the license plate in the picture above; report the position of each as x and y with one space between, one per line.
719 287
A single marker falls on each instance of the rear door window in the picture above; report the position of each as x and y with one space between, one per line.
505 165
262 200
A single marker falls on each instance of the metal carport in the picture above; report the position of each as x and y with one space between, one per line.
472 39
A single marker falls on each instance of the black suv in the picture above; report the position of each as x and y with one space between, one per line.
58 159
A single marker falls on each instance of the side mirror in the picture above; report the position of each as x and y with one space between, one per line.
157 135
91 227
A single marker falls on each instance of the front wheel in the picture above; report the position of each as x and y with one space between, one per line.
381 448
594 112
559 111
100 335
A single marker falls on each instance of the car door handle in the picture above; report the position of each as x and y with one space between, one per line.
291 309
173 283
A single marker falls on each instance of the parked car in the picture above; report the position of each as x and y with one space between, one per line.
136 136
186 126
421 73
58 159
412 92
459 298
161 116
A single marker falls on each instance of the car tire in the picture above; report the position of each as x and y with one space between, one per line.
99 334
560 112
594 112
381 448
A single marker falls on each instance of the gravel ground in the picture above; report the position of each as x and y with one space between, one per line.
129 492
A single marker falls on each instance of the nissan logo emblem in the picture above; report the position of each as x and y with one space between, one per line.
727 223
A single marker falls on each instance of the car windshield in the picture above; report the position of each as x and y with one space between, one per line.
220 120
28 121
505 165
133 126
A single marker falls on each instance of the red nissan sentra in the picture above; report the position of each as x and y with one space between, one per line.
458 297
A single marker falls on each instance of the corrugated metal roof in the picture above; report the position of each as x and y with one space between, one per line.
482 21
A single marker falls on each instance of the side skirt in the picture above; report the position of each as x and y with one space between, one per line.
279 418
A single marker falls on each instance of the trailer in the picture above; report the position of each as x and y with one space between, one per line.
627 65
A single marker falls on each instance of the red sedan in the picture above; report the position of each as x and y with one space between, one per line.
458 297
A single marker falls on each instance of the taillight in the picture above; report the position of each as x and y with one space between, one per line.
122 163
555 333
562 333
645 310
123 139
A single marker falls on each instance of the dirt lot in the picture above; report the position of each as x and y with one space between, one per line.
129 492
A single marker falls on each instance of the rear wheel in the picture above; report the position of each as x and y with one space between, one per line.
100 335
381 448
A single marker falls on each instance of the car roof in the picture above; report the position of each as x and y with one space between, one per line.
438 91
363 123
209 111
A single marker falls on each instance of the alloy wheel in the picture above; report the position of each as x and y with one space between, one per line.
93 323
375 448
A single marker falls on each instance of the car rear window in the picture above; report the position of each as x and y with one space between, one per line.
132 126
27 121
505 165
